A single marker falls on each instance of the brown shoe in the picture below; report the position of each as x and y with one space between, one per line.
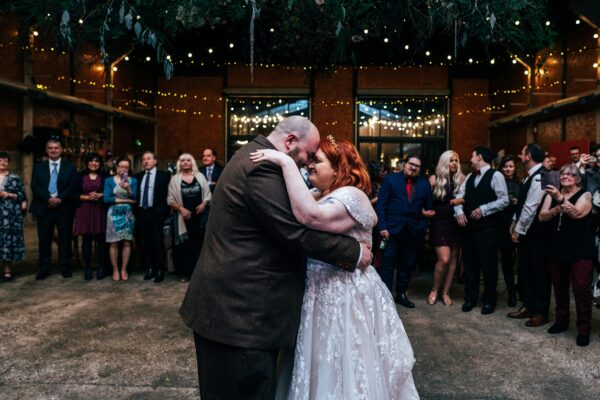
536 321
522 313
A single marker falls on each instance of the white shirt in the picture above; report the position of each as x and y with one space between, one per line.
498 186
534 198
51 166
150 187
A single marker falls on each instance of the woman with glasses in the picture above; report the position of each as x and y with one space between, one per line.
120 193
571 247
444 231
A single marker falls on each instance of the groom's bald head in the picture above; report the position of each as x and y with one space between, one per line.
297 137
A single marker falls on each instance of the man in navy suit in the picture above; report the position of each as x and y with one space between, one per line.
153 185
53 206
403 207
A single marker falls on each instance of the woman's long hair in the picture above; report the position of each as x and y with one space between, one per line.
344 158
442 175
194 165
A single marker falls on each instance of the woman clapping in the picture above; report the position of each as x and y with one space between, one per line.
571 234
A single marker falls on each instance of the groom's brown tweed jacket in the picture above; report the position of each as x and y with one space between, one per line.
248 284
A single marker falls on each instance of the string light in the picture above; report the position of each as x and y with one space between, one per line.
231 45
36 33
115 69
547 23
148 58
595 65
427 53
385 40
577 22
406 47
517 22
366 31
126 58
210 51
190 55
595 36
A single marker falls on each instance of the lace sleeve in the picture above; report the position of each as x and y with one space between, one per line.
357 204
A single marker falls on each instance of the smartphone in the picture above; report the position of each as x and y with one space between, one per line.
550 178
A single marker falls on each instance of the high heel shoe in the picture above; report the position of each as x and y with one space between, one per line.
432 298
446 299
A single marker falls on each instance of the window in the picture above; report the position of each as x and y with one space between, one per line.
389 129
248 117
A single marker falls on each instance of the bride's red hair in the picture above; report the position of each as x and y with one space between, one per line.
344 158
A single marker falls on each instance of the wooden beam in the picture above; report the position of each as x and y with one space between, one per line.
71 101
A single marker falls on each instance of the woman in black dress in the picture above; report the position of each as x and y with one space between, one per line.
505 244
189 195
444 230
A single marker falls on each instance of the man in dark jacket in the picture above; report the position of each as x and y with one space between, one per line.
245 296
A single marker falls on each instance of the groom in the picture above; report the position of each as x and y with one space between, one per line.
245 296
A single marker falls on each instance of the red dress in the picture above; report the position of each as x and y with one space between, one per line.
90 217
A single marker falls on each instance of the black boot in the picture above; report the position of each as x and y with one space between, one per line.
160 276
88 274
100 274
150 273
512 297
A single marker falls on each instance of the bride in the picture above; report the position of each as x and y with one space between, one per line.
351 343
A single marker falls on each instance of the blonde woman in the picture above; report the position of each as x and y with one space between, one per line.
189 194
445 233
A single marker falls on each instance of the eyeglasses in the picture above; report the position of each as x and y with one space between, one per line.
416 166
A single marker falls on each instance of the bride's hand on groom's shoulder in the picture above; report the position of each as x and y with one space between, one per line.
273 156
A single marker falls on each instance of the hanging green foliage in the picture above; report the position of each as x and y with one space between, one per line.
305 32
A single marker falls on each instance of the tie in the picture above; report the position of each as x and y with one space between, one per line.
409 183
146 189
53 180
209 174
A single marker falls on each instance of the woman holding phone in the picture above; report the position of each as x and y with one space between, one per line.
120 193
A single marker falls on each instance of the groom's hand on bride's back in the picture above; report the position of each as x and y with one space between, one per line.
366 257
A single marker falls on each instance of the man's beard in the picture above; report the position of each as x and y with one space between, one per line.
294 154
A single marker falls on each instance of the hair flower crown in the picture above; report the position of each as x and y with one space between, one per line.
333 142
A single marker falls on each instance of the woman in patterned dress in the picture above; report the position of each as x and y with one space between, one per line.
120 192
90 216
12 245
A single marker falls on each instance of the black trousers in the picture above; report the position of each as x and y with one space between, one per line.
153 245
507 256
480 256
63 221
86 249
227 372
403 251
534 277
185 255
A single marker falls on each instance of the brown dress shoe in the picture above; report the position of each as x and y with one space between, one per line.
522 313
536 321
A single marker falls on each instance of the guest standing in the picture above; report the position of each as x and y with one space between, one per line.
444 231
12 244
154 210
527 232
571 247
210 168
507 248
189 196
53 206
404 204
120 193
90 216
485 194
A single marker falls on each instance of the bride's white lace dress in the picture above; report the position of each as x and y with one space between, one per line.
351 342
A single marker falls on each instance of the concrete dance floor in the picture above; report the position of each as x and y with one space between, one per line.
70 339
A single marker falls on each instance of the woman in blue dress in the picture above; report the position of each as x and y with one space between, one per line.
120 193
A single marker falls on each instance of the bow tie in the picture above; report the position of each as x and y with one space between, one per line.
476 172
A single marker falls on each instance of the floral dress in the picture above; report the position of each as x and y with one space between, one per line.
351 343
120 221
12 244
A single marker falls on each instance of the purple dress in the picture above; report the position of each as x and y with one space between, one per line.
90 217
444 230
